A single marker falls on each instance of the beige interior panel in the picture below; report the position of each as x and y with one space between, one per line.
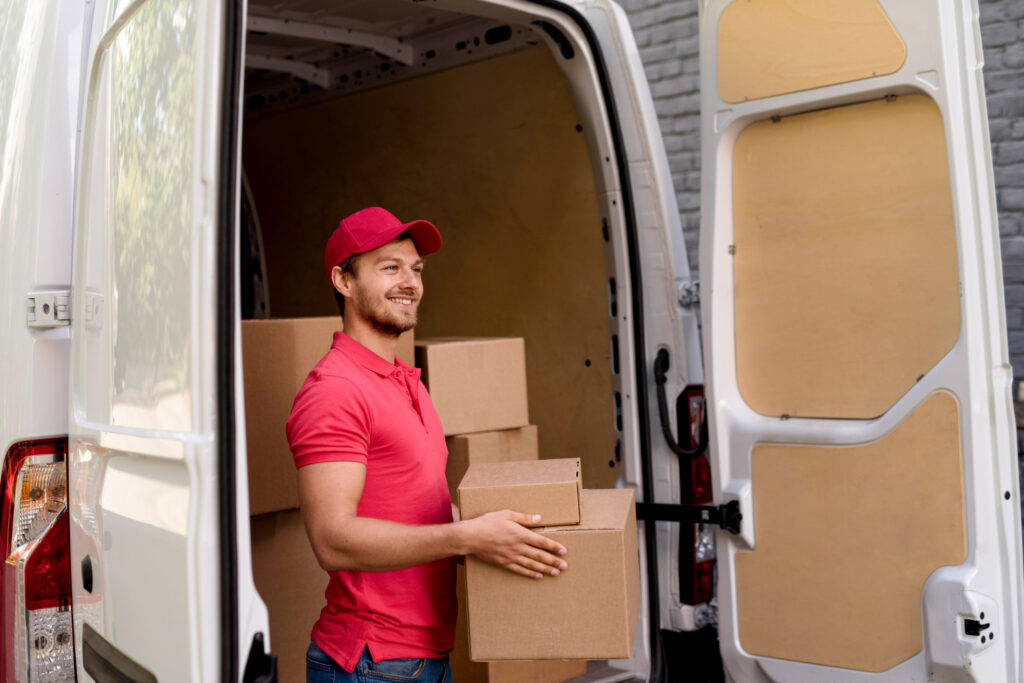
845 266
846 537
772 47
491 154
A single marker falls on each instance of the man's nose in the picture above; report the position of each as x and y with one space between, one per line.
411 279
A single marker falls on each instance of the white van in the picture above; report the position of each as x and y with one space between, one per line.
861 460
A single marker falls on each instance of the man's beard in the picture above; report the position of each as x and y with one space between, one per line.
384 320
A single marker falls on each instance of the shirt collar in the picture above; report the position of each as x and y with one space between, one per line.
368 359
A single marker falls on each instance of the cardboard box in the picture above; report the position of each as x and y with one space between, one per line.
468 449
464 670
589 611
292 585
549 488
477 385
277 354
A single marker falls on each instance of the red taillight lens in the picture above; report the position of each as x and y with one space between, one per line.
704 581
36 642
701 473
697 553
48 569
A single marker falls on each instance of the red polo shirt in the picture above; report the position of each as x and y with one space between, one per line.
355 406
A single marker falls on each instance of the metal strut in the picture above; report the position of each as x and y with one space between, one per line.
725 516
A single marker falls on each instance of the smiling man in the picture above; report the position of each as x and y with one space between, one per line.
371 457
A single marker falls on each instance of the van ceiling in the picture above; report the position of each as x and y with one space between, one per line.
310 50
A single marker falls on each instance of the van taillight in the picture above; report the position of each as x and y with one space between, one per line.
36 642
697 553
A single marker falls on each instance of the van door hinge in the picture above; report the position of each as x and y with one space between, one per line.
48 309
689 293
726 516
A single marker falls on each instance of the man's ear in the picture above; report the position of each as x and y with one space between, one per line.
341 281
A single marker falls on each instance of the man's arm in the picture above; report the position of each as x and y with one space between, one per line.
329 493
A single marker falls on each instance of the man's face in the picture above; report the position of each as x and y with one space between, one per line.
386 287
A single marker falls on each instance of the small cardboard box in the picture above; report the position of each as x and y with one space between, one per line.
464 670
291 582
277 354
589 611
468 449
477 385
549 488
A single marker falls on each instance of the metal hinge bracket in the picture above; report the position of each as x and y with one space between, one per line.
689 293
48 309
726 516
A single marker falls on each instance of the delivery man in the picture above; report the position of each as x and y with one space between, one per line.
370 453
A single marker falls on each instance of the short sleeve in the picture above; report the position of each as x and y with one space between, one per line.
330 421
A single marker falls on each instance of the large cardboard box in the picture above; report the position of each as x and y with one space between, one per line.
292 584
465 670
477 385
502 446
549 488
589 611
277 354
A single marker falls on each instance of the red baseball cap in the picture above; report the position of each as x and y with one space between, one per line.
374 227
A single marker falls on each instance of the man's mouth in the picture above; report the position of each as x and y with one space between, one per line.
402 300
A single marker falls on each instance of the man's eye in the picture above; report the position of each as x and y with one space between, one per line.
391 267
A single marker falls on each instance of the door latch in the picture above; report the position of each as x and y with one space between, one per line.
48 309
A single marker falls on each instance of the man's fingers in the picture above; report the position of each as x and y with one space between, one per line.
528 573
538 567
524 519
545 543
545 558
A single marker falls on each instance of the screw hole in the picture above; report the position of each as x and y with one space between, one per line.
46 309
1006 495
587 362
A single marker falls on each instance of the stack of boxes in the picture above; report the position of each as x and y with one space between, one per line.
590 610
479 389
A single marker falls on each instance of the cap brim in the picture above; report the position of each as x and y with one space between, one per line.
424 235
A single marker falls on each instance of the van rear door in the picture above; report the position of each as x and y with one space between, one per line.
152 468
855 345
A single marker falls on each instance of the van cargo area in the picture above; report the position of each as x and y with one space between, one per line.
471 123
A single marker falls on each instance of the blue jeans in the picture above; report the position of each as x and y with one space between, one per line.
320 668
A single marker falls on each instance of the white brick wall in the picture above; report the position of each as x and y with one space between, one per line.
666 32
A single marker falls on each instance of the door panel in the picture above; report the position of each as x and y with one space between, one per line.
855 349
144 488
846 283
839 514
773 47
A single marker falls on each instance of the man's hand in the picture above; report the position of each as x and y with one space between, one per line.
501 539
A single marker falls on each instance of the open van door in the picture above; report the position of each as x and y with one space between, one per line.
152 468
855 344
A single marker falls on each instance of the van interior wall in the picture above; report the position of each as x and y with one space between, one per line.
489 152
